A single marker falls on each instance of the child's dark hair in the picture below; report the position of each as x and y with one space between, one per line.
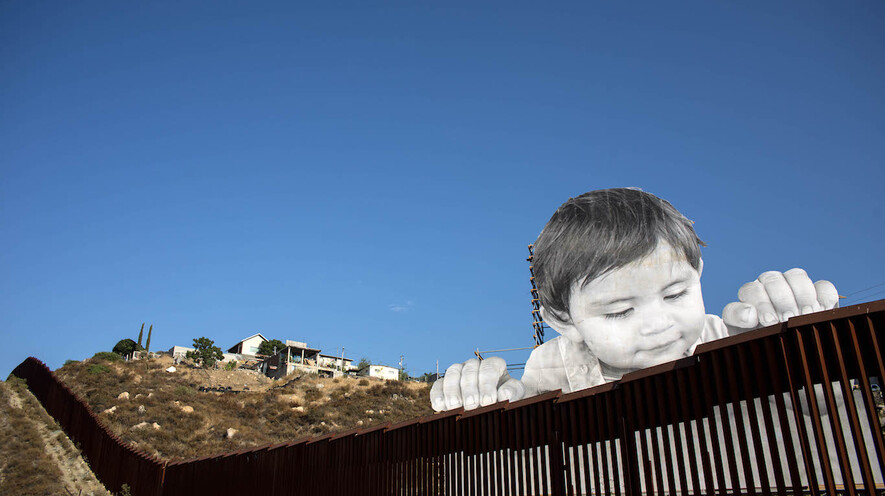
601 231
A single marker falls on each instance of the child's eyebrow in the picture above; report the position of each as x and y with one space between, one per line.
681 280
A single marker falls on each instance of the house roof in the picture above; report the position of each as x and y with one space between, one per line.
305 348
336 357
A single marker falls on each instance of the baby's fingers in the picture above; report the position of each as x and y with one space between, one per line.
492 372
437 396
753 293
452 386
803 291
511 390
740 315
780 294
469 386
826 294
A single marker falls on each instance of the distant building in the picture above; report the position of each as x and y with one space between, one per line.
247 348
178 352
295 356
335 362
380 371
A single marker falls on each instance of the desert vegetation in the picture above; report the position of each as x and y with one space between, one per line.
166 414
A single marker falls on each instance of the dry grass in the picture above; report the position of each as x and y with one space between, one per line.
25 467
35 456
279 412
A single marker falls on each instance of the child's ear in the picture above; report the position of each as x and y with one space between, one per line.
561 324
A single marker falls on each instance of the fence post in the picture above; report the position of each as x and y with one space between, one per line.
555 447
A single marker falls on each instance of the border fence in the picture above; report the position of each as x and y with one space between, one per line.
788 409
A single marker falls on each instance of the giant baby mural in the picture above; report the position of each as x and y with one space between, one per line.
619 278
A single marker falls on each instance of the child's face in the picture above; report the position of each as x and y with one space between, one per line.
643 314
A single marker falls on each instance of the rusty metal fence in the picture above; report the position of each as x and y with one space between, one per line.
789 409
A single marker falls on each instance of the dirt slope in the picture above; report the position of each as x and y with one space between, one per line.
36 458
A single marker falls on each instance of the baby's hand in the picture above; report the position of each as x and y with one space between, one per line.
475 383
775 297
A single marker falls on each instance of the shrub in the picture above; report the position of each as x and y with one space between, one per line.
182 391
69 362
230 365
363 382
97 368
312 395
126 347
107 356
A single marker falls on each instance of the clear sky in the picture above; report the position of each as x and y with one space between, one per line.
368 176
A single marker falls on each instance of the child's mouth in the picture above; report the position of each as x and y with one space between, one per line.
664 346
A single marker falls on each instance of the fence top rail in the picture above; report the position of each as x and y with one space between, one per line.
351 432
837 313
375 428
762 332
501 405
602 388
541 398
404 423
324 437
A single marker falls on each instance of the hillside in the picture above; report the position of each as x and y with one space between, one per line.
165 414
36 458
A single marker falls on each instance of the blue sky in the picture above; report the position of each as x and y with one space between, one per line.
368 176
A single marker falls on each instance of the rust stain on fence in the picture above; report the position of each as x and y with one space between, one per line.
772 411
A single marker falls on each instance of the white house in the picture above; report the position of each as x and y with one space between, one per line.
178 352
248 347
380 371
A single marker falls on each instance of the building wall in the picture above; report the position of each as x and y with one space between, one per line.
334 362
250 346
381 372
179 351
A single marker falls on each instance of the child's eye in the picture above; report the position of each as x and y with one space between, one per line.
674 297
619 315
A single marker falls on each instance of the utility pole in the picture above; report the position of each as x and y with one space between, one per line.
401 357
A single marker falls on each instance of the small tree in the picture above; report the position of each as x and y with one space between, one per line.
147 346
140 333
125 347
363 363
270 347
205 352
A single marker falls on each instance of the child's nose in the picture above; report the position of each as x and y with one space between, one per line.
655 321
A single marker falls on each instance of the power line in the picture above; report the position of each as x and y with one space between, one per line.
866 289
865 297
